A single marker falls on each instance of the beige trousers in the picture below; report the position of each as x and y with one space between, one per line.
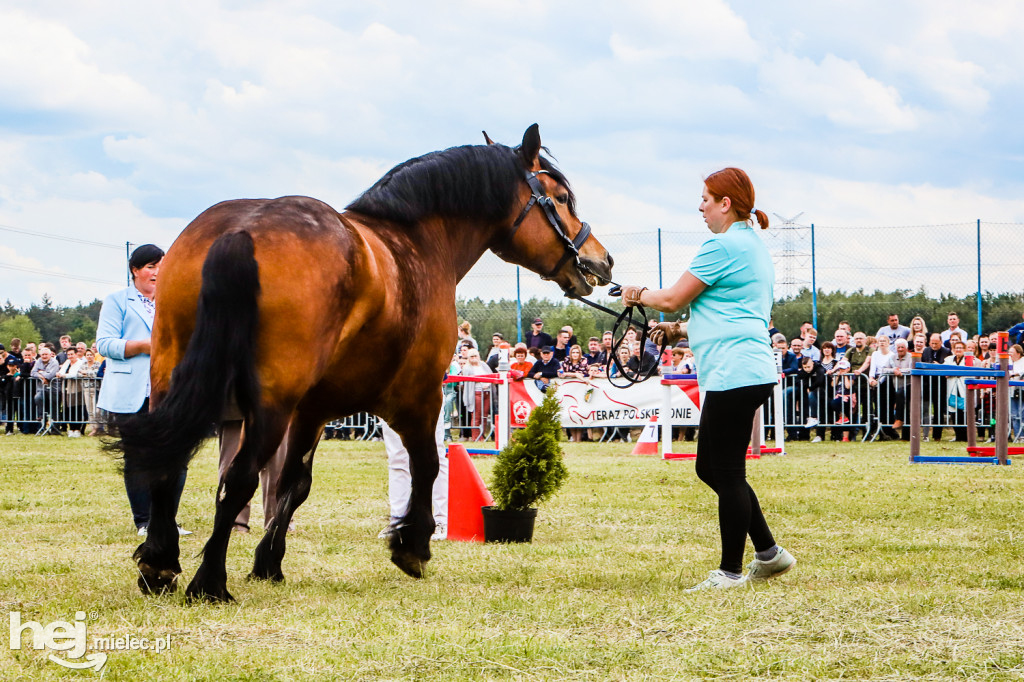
270 475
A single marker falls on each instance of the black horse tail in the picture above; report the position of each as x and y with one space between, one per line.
218 365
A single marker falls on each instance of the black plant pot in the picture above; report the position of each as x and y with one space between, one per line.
508 525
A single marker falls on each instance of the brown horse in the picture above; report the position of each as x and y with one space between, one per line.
248 278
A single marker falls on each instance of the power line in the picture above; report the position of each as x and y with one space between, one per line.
56 274
62 238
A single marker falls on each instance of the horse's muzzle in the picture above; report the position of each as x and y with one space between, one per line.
597 272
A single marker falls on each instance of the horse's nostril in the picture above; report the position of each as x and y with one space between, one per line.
611 262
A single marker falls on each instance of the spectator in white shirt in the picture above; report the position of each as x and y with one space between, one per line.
953 320
879 360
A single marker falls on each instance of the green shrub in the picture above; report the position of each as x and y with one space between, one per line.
530 469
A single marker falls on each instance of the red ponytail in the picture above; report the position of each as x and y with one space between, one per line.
762 219
736 184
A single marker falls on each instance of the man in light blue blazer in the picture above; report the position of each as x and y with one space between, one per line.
123 338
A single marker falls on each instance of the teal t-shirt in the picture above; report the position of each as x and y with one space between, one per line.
728 327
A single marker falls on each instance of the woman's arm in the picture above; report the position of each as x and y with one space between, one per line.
675 297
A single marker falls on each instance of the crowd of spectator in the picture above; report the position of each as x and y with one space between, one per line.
44 387
861 380
853 380
542 358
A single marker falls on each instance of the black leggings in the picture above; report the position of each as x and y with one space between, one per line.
726 420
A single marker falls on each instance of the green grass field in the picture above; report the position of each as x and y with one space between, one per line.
905 572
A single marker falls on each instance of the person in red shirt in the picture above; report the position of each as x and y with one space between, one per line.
520 361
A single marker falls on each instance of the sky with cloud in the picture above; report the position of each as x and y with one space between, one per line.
121 121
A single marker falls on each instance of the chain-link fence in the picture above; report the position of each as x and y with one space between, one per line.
824 274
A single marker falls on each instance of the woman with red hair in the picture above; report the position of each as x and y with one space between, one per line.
728 287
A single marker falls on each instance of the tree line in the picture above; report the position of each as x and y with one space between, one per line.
47 322
863 310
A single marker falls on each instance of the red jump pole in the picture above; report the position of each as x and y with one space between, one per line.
1002 406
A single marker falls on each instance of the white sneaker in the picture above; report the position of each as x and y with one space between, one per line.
144 531
762 570
717 580
811 422
440 532
386 532
816 439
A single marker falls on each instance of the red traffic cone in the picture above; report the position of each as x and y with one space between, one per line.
647 443
466 494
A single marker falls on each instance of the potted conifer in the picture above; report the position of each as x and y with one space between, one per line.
529 470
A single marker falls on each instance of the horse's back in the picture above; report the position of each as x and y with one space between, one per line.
305 254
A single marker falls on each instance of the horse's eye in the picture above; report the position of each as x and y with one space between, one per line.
563 199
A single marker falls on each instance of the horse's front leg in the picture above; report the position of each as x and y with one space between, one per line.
410 540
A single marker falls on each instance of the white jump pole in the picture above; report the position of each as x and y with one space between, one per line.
780 408
665 419
504 430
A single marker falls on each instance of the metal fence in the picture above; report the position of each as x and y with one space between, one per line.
61 406
846 405
850 406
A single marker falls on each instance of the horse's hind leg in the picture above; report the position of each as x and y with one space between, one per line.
157 557
410 541
234 492
292 490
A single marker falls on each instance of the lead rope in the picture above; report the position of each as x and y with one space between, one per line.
626 317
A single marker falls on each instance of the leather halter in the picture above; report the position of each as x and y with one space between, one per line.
539 198
572 250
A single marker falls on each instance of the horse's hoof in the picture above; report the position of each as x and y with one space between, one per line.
274 578
410 565
152 581
195 593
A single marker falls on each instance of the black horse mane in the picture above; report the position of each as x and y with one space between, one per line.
474 181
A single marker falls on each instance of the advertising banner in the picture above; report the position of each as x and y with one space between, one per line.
597 403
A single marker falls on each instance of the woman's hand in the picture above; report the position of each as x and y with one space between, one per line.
631 294
137 347
669 333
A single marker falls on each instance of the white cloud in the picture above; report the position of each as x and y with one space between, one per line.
84 271
46 66
125 124
839 90
653 30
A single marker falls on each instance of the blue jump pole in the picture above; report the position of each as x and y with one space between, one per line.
979 376
814 285
519 310
979 277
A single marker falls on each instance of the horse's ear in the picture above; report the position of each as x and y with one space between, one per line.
530 148
487 138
